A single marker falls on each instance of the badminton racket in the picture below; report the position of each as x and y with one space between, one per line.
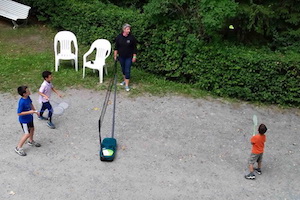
59 108
254 124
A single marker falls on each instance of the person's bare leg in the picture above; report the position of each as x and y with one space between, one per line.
31 132
259 165
126 82
23 140
251 169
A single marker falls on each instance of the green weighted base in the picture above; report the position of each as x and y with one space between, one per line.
109 148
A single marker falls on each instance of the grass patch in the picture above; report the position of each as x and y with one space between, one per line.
146 82
26 52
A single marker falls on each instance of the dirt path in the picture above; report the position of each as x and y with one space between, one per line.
168 148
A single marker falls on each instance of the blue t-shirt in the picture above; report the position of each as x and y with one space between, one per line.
25 105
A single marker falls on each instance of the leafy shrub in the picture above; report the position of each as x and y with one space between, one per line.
90 20
239 72
225 70
175 42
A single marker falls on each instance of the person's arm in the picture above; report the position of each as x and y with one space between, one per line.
28 112
252 140
116 48
134 58
115 54
45 96
41 92
32 111
32 107
134 50
54 90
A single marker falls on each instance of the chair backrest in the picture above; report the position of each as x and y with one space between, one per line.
65 39
103 49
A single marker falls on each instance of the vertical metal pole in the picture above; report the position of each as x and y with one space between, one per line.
115 97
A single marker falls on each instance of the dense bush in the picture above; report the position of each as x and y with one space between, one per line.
179 40
225 70
275 22
254 75
90 19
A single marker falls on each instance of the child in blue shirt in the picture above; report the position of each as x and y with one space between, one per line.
25 112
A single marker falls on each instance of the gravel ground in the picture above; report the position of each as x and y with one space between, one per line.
169 147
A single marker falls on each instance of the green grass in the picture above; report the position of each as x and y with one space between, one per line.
28 51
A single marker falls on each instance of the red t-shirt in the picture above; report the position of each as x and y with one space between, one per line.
258 143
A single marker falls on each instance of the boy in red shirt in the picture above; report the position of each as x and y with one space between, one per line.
258 144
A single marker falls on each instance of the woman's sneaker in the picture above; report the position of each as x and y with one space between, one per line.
123 83
258 171
20 151
33 143
127 88
50 125
250 176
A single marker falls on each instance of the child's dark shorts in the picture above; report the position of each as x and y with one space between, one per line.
255 158
27 126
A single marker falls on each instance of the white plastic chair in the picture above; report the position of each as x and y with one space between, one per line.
103 49
65 39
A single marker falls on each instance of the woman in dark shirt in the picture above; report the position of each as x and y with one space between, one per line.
125 50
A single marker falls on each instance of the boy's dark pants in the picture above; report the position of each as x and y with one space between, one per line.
45 106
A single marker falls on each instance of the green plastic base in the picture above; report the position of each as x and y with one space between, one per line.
109 148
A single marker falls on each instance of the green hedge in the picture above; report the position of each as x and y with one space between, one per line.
225 70
89 20
174 51
250 75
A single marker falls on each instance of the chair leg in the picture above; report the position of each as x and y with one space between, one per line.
105 67
76 65
56 64
83 68
101 75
